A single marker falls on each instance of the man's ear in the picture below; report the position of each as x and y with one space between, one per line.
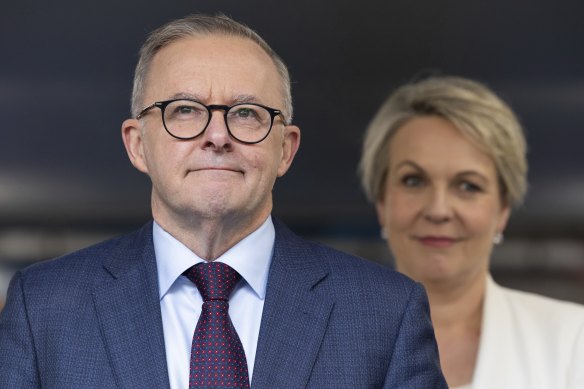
132 137
290 145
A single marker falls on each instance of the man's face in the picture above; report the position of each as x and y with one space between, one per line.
211 177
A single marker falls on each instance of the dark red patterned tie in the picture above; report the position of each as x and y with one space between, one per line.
217 356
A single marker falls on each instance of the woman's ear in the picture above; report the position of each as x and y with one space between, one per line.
504 214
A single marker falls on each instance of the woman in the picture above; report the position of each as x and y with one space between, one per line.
444 162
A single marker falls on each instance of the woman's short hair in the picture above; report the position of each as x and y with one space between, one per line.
200 25
476 111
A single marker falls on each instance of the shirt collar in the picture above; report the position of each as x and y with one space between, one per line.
250 257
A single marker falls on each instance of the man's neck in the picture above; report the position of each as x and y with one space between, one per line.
209 238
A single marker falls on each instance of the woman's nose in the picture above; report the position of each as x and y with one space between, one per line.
438 208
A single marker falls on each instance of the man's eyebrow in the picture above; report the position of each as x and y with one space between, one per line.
183 95
245 99
236 100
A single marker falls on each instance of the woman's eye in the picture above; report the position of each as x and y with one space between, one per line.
469 187
412 181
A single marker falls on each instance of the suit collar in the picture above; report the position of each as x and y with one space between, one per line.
295 316
250 257
128 311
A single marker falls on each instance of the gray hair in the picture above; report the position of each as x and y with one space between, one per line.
472 108
198 25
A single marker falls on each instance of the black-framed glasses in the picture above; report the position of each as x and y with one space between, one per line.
187 119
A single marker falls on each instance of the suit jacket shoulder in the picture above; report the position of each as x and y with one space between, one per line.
93 314
332 320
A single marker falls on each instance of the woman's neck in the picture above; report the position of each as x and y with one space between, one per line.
456 304
457 310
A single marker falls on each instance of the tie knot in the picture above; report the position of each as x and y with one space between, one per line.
215 280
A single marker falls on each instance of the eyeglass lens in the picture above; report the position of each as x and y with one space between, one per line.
246 122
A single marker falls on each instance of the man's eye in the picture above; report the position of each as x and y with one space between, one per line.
185 112
184 109
245 113
189 110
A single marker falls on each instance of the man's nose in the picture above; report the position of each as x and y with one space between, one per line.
216 135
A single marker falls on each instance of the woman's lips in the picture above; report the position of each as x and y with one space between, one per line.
437 241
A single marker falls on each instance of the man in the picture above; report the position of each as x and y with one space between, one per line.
211 128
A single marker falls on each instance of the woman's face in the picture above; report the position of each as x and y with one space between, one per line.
441 206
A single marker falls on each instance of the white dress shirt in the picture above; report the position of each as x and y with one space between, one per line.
181 302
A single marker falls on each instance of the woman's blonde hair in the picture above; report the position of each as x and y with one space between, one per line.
477 112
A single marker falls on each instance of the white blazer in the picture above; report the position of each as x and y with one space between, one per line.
529 341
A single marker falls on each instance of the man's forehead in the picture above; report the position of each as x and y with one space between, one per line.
214 60
214 54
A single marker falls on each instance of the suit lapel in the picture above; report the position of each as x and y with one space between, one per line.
295 315
497 340
128 310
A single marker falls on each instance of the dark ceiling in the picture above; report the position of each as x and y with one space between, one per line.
65 80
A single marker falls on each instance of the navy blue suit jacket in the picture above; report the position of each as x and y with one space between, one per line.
92 319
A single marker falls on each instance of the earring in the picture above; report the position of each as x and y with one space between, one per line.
382 234
498 238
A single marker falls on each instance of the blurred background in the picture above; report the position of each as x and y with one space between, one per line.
65 80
